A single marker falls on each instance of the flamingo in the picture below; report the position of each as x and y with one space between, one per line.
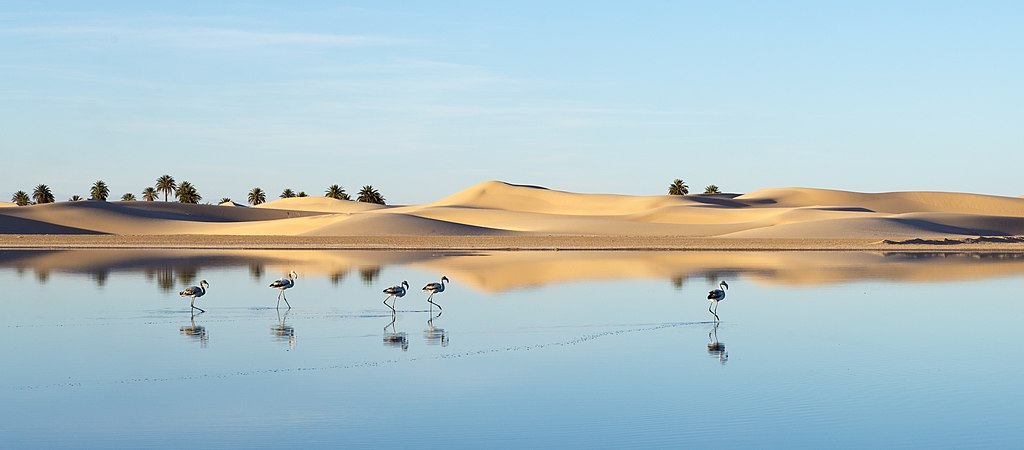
434 288
282 284
397 292
716 296
195 291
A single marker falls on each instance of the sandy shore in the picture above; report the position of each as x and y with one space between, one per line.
477 243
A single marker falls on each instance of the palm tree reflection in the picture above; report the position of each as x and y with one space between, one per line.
394 338
716 349
369 274
196 332
282 331
434 335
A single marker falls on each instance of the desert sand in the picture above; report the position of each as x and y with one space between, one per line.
497 215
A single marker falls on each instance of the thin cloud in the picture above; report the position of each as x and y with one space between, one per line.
200 37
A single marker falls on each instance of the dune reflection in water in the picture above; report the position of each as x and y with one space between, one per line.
555 338
497 271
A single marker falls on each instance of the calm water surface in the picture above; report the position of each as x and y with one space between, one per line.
534 349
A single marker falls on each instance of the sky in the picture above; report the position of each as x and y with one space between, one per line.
423 99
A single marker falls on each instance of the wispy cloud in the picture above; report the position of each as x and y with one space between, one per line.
198 37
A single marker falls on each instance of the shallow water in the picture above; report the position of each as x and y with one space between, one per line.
535 349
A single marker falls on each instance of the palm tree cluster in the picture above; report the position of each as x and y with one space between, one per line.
21 198
42 194
99 191
257 196
149 194
678 187
185 192
166 185
337 192
370 195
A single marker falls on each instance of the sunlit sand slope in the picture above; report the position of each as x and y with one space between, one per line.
500 209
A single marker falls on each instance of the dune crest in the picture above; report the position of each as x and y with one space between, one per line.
319 204
495 208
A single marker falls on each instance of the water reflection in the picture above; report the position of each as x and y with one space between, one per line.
394 338
716 348
369 274
256 271
434 335
337 277
283 332
498 271
196 332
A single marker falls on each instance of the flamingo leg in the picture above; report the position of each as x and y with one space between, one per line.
430 300
279 299
715 313
196 307
285 300
389 306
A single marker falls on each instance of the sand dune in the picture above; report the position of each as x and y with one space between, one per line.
319 204
500 209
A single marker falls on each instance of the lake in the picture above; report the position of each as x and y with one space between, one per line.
535 349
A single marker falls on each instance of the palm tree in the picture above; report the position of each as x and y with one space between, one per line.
301 194
99 191
370 195
187 193
166 185
257 196
288 193
42 194
149 194
76 198
678 187
712 189
21 198
337 192
224 200
129 197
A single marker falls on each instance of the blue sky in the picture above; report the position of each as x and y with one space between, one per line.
422 99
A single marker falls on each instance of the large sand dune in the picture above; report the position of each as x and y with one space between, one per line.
500 209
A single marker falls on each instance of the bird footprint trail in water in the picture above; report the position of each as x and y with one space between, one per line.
385 362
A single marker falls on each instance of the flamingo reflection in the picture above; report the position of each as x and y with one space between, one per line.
196 332
395 338
434 335
282 331
716 349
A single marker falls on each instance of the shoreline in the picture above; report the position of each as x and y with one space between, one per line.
478 243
